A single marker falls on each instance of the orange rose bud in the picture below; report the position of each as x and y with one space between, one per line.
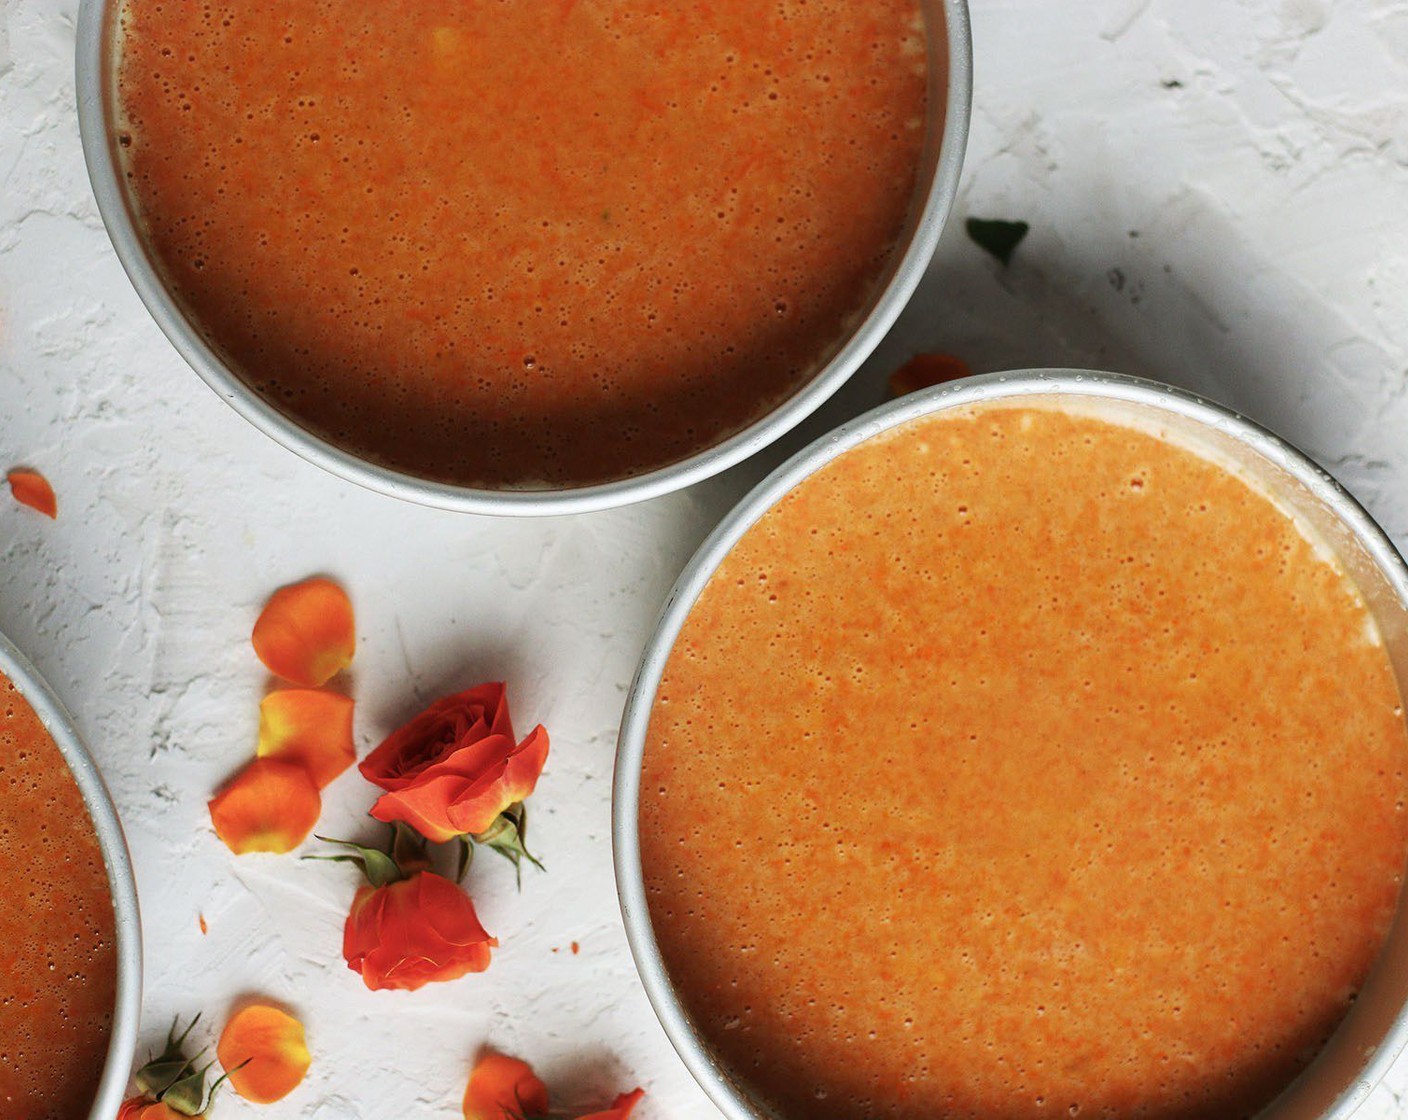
413 932
264 1053
620 1108
32 489
504 1088
925 370
454 768
306 633
310 728
144 1108
269 806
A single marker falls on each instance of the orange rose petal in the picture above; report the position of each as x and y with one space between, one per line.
423 809
925 370
504 1088
306 633
525 766
269 806
264 1052
620 1108
32 489
310 728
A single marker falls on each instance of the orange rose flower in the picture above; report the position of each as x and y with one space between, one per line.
504 1088
501 1088
621 1108
414 931
456 767
144 1108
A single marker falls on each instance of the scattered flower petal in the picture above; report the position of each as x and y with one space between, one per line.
269 806
32 489
621 1107
310 728
412 932
504 1088
455 768
306 633
925 370
264 1053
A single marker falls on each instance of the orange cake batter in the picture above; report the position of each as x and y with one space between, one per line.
523 244
1022 765
58 978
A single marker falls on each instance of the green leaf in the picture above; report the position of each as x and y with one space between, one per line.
998 237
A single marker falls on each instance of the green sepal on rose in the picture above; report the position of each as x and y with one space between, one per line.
507 835
405 854
168 1067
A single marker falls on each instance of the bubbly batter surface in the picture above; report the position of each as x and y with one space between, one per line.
58 978
1020 765
523 242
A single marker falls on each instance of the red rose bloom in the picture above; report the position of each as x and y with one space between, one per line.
454 768
411 932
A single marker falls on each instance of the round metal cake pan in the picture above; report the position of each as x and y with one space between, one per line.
122 1042
1376 1029
950 106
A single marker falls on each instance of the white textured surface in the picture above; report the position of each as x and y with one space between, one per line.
1217 192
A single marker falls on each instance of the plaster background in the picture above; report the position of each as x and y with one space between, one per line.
1217 192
